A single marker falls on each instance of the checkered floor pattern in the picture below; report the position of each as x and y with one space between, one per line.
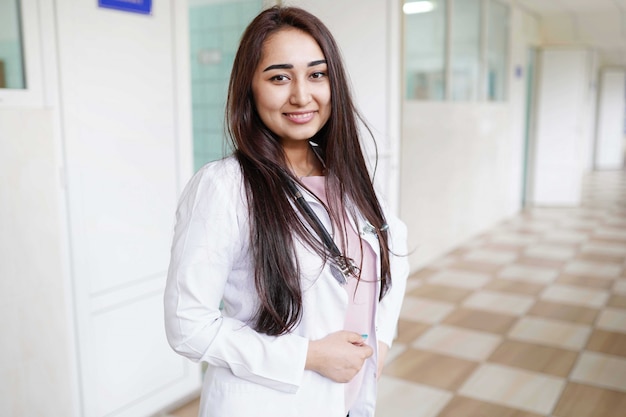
526 320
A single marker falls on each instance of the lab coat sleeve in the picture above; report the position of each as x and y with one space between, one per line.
390 305
207 245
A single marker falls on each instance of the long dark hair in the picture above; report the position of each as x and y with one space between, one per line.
274 220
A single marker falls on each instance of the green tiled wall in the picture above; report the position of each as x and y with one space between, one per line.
214 29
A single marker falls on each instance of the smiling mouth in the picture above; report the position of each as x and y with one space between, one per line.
300 117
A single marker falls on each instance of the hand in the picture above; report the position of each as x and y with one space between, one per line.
338 356
382 355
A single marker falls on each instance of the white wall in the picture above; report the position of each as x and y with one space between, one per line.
456 173
36 374
611 102
462 163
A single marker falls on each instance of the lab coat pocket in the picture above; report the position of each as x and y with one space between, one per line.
245 399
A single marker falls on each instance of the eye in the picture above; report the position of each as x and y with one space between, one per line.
279 78
318 75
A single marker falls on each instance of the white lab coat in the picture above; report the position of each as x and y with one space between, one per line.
251 374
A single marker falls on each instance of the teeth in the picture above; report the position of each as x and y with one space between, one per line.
300 116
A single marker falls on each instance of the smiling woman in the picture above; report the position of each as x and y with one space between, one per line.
292 94
289 236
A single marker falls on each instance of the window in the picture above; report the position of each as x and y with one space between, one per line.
21 58
456 50
465 44
11 47
425 52
497 50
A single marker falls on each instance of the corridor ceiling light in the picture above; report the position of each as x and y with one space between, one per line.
415 7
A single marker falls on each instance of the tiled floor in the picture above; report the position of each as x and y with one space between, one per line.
526 320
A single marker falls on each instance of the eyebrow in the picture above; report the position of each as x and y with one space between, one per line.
290 66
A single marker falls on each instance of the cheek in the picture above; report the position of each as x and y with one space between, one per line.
266 108
325 98
260 97
267 101
327 107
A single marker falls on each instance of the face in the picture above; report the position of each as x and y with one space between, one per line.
291 88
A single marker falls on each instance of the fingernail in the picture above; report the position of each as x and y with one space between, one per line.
364 336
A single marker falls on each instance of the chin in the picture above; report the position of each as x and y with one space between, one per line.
301 136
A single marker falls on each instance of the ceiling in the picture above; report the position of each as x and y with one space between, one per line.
600 24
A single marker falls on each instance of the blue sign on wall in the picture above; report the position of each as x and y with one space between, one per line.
135 6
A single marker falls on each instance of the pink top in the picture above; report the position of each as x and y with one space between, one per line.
361 293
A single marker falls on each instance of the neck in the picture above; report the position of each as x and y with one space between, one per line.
301 160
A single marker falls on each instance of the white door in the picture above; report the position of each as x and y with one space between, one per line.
121 90
559 141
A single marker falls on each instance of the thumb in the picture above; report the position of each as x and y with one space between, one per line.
355 338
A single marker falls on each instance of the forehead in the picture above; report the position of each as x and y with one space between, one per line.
291 46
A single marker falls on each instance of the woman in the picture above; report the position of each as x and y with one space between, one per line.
289 235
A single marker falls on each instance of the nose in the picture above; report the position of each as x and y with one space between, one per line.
300 94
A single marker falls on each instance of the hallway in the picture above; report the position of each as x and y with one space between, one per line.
526 320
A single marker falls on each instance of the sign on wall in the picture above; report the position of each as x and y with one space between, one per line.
135 6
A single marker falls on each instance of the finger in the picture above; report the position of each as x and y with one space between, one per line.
355 338
363 351
368 351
